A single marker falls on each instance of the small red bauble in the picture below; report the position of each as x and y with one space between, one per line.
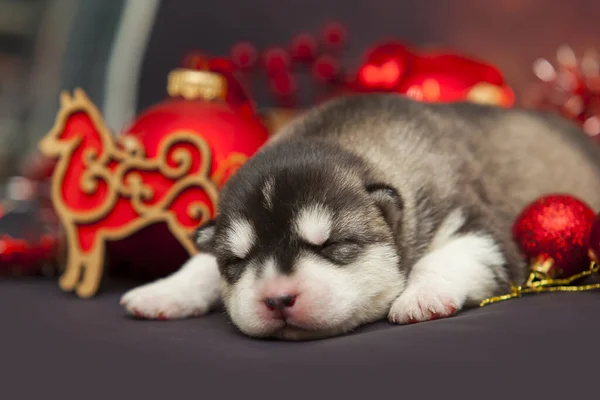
556 227
304 47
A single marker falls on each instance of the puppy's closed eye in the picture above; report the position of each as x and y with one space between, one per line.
341 252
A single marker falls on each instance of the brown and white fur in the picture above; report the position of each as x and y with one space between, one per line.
375 206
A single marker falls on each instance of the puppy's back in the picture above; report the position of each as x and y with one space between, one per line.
514 155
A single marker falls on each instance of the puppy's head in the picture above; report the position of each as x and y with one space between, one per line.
305 249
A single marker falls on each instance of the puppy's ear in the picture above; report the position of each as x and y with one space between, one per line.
388 201
204 236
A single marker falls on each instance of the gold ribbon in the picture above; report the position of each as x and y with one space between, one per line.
538 282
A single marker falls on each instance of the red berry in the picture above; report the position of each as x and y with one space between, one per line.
334 34
304 47
244 55
326 68
276 60
283 84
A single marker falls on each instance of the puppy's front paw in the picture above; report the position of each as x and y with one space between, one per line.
164 300
189 292
423 303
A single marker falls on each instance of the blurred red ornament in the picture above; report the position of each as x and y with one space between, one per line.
334 35
28 234
244 55
276 60
431 76
570 88
326 69
555 228
304 47
383 76
384 67
468 69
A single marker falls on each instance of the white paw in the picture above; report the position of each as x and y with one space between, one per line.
161 300
424 302
189 292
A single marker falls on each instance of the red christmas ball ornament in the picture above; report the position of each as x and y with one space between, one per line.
304 47
276 60
244 55
556 228
231 135
334 35
326 69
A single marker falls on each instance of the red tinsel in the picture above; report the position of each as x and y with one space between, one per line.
571 88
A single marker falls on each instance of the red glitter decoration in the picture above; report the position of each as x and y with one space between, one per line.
304 47
556 227
244 55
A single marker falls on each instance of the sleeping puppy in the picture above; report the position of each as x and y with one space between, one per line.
371 207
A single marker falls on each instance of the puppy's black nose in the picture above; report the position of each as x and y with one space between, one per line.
281 302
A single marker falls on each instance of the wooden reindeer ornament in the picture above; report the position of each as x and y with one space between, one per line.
104 189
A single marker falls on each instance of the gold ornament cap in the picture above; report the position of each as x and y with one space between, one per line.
485 93
196 84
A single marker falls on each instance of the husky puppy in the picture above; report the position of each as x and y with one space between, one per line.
375 206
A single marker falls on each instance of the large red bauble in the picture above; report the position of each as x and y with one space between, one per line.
226 130
153 251
556 227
